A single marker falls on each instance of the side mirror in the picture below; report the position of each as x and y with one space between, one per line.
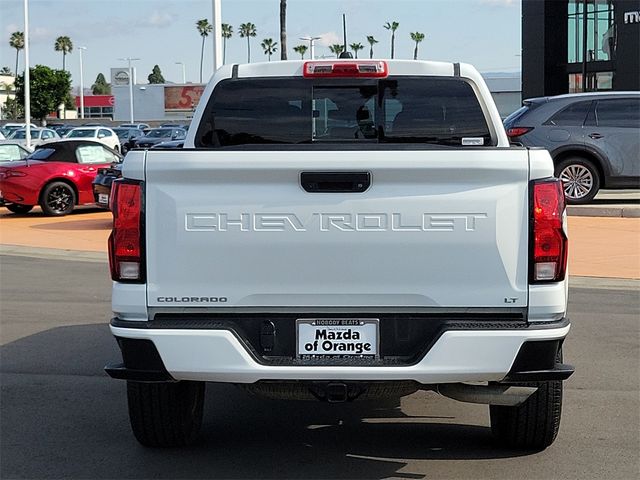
101 135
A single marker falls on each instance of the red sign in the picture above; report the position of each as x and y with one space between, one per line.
182 98
96 101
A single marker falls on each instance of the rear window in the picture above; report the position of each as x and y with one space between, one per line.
430 110
571 116
41 154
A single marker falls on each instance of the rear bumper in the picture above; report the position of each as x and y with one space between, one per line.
456 356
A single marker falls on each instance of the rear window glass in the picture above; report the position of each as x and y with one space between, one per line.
41 154
431 110
571 116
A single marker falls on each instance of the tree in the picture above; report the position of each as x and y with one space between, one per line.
65 45
6 71
100 86
283 29
248 30
204 29
49 88
17 41
355 47
372 41
337 49
393 26
227 32
269 47
301 49
156 75
416 37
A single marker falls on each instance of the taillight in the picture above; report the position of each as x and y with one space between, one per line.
363 68
126 247
518 131
549 240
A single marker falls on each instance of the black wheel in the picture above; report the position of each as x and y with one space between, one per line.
534 424
166 414
57 199
580 178
17 208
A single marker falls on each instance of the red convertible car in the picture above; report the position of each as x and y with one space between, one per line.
57 176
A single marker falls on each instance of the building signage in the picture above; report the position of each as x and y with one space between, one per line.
632 17
182 98
120 76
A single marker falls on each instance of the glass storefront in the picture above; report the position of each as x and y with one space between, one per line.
597 81
98 112
601 38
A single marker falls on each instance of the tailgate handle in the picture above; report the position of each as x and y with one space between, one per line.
335 182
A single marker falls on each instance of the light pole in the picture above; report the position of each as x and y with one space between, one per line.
217 33
27 87
81 84
311 40
130 59
184 75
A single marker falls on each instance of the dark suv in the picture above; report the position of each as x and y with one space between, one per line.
594 139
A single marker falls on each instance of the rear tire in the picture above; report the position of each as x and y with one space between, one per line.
166 414
534 424
580 179
57 199
17 208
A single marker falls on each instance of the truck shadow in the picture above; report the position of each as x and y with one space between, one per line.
63 417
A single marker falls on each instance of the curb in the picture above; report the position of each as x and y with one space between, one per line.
54 254
596 211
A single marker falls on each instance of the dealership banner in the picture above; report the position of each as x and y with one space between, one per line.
182 98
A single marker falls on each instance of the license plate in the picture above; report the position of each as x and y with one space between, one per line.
337 337
103 198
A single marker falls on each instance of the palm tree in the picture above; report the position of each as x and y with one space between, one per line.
416 37
65 45
301 49
204 29
337 49
355 47
393 26
227 32
248 30
372 41
269 47
17 41
283 29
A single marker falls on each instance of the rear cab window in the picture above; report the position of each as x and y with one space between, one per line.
402 109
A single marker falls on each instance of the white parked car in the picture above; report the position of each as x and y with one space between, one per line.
38 136
103 135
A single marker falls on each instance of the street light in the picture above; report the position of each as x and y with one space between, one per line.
27 86
81 84
311 40
184 75
216 20
130 59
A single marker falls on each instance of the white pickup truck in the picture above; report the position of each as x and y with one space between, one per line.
336 230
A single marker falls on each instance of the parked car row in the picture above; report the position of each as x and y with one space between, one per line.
60 175
121 139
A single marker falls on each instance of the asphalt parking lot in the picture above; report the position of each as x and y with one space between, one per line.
62 417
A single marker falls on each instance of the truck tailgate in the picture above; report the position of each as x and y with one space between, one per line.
445 228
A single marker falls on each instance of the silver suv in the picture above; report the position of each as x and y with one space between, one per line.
594 139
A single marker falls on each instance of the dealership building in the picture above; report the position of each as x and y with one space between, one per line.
152 102
571 46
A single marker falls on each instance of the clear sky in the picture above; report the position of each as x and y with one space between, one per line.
485 33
